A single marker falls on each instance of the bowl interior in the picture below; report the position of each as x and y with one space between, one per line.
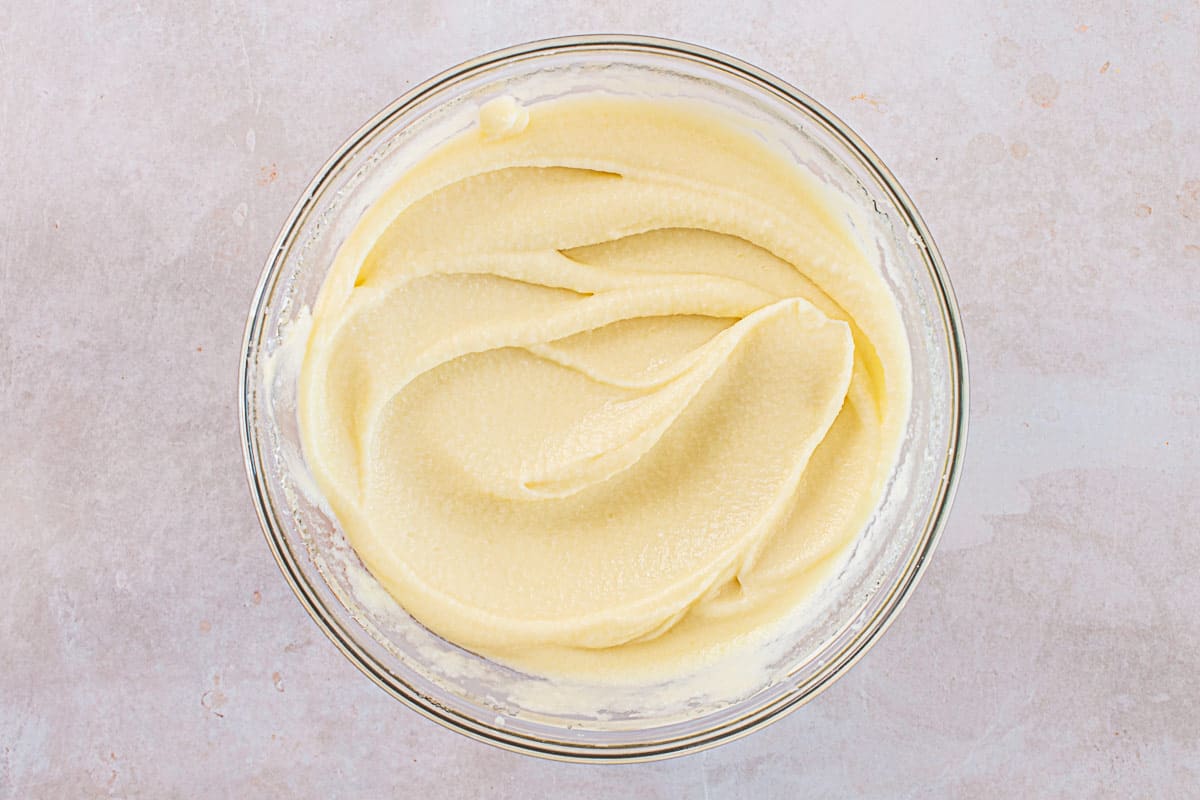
488 700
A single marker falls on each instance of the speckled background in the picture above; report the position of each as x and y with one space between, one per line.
149 153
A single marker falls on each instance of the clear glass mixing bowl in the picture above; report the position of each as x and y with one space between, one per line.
486 700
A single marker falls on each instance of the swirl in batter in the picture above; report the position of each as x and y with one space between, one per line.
602 383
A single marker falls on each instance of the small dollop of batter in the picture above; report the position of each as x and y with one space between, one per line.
602 386
502 117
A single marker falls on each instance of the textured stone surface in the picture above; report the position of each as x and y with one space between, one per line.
150 647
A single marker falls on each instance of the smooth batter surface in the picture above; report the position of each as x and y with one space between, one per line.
601 385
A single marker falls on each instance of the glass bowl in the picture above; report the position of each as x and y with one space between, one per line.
488 701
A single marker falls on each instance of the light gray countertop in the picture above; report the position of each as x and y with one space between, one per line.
150 647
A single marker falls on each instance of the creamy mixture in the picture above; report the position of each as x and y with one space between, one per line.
602 386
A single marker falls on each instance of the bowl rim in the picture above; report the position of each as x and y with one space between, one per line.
758 716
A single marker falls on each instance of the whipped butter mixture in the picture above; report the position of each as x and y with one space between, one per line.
602 386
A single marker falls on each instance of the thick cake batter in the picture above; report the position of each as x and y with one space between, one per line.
602 385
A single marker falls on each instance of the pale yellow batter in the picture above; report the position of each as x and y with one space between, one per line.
601 385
